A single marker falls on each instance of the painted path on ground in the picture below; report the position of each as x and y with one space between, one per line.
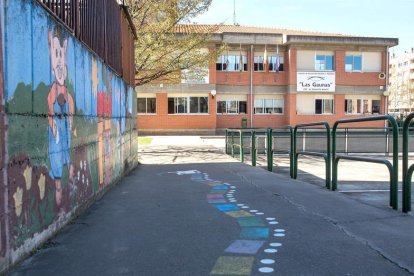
260 236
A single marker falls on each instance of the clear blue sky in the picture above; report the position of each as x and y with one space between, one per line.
379 18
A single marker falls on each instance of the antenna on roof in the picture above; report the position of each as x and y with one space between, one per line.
234 14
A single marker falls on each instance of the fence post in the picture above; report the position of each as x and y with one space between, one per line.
232 144
226 143
304 140
253 147
291 154
241 147
346 140
406 172
387 141
269 150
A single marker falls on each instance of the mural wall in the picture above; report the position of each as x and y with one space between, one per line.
67 130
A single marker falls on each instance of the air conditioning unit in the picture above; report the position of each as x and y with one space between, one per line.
381 76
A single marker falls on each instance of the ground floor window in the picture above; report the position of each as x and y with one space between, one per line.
362 106
231 107
268 106
188 105
147 105
324 106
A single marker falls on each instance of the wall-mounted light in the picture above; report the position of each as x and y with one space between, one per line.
386 93
213 93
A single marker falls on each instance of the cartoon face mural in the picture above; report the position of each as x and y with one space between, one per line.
61 109
58 48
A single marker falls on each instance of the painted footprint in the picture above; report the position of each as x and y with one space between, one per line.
257 232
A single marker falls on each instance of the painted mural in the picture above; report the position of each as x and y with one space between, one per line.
70 125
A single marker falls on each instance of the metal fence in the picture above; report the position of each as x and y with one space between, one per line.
104 26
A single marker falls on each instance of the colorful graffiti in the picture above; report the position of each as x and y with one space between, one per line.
70 130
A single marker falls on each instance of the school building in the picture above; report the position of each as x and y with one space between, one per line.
272 77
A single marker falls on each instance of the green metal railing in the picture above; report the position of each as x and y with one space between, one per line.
392 168
241 134
270 151
407 172
326 155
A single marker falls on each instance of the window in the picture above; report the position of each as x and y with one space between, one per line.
353 63
276 63
362 106
324 63
231 107
324 106
232 62
353 106
268 106
258 63
188 105
376 105
147 105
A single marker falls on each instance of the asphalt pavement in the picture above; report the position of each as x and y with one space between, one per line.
189 209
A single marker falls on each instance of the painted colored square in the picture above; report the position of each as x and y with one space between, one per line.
254 233
218 191
227 207
226 265
222 187
209 196
215 200
244 247
239 214
251 221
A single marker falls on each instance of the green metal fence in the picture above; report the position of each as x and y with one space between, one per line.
407 172
392 168
272 135
326 155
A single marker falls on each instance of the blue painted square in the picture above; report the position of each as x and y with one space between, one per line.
222 187
251 222
254 233
227 207
245 247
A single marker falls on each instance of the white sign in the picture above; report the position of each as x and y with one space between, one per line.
316 81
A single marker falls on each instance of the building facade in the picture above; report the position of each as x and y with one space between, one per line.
272 78
401 83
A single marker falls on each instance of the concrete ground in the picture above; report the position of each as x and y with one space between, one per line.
189 209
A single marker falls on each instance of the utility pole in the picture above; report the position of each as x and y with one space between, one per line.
234 13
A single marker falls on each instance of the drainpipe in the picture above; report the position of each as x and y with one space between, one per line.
387 61
251 86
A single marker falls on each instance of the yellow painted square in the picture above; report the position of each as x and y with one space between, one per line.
233 266
238 214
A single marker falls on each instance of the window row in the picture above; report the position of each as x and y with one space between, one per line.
238 62
200 105
325 61
362 106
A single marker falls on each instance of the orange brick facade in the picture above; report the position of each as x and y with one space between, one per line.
285 80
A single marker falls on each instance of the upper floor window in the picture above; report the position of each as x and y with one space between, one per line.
258 63
231 107
233 61
353 63
188 105
324 62
147 105
276 63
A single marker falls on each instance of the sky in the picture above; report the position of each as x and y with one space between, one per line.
379 18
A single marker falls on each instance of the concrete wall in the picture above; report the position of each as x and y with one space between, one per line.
67 129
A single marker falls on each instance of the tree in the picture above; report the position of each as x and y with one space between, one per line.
160 52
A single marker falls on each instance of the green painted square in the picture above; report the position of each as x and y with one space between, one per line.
250 221
233 266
